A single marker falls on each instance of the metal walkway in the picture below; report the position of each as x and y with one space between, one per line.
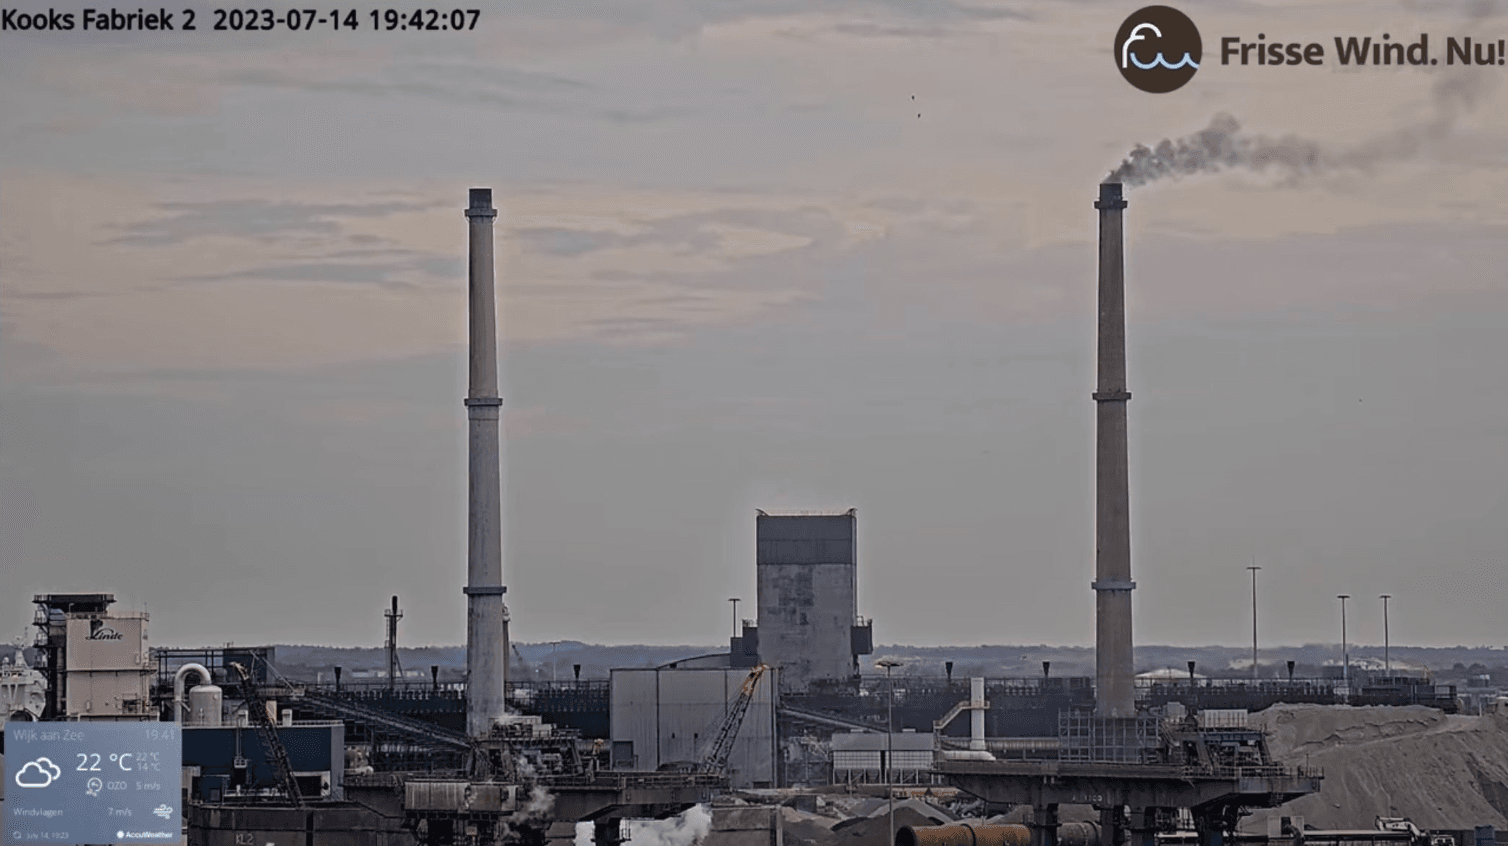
827 720
387 722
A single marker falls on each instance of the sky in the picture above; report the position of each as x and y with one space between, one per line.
769 254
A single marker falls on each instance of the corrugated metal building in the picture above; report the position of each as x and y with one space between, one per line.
809 625
671 715
860 756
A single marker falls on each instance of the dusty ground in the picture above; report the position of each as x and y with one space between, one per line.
1442 771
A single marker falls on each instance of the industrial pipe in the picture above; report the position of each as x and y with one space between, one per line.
964 834
180 707
974 834
965 755
976 715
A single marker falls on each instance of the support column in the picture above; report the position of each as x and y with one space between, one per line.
1113 826
1044 825
1144 824
1210 825
608 832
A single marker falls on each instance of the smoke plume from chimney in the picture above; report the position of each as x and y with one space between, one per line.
1220 146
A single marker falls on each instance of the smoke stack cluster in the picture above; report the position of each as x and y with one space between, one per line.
1114 693
486 614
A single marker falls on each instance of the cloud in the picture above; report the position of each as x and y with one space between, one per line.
404 274
726 231
873 30
46 773
253 219
680 20
469 85
569 243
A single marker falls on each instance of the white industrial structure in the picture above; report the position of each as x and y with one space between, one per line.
859 757
23 690
109 668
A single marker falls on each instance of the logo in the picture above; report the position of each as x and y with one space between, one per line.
99 631
1158 49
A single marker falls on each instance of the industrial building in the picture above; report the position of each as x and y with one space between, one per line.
808 598
861 757
96 662
672 714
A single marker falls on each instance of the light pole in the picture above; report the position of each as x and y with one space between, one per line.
1387 662
888 664
734 600
1345 651
1254 568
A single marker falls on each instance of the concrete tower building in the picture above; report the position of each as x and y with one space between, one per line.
809 624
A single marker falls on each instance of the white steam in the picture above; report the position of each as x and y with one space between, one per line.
688 829
533 811
539 803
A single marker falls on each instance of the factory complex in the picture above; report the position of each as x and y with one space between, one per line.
793 715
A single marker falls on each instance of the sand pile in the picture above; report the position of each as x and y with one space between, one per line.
800 827
867 831
1441 771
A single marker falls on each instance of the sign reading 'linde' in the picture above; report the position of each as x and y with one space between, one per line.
80 782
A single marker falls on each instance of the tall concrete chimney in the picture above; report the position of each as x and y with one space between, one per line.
1114 693
486 614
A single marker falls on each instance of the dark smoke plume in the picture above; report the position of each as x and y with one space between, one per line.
1221 145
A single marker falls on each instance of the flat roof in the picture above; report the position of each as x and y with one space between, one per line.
796 513
864 741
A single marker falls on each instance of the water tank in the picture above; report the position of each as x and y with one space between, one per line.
204 705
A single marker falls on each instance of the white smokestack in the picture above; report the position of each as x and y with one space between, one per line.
486 614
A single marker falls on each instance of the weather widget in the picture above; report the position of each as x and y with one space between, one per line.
77 782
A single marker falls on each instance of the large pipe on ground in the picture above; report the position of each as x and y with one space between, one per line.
1114 692
180 706
975 834
486 614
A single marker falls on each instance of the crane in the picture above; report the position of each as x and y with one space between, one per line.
716 759
257 710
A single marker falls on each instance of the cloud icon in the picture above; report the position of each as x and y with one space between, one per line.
46 773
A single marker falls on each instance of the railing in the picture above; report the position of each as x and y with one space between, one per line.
414 688
1238 771
384 719
640 781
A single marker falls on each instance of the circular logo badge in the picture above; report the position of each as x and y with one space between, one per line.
1158 49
